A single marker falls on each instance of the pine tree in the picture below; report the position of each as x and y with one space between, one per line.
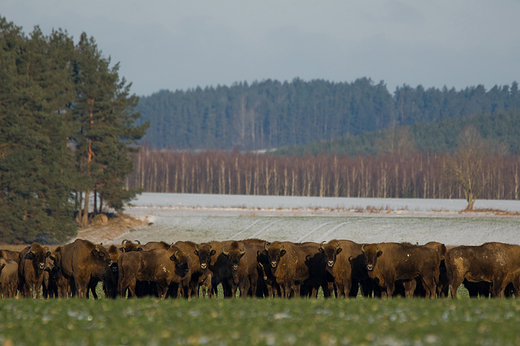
106 132
35 162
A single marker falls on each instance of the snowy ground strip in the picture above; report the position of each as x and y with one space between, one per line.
201 218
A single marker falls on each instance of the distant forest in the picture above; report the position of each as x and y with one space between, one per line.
272 114
501 129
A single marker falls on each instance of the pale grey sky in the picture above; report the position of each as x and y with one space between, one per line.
171 44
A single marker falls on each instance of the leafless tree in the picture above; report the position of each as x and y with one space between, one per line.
465 167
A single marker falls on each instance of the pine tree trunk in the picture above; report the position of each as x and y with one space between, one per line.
84 221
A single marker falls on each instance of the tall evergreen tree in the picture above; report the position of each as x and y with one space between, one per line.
35 162
103 111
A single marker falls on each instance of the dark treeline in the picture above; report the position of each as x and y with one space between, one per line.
272 114
411 175
500 128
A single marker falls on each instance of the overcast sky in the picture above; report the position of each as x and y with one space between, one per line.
170 44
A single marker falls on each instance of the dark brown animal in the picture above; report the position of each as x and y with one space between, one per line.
128 245
198 271
163 267
266 280
414 288
339 255
489 262
290 265
443 284
242 266
55 284
219 267
8 277
83 262
111 276
234 254
205 252
389 262
31 268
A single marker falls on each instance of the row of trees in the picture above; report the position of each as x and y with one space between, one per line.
473 170
272 114
67 128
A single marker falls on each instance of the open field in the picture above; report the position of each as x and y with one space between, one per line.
201 218
260 322
280 322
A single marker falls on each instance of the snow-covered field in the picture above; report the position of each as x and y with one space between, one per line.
219 217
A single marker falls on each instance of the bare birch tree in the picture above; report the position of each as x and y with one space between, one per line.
466 164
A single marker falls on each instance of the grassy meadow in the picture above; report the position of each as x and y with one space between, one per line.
260 322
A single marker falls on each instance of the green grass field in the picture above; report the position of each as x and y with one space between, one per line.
260 322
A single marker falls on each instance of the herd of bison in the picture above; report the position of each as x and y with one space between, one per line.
257 268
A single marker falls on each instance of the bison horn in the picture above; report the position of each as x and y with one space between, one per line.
226 253
377 247
337 244
196 248
265 246
321 245
123 242
242 252
363 248
138 242
282 246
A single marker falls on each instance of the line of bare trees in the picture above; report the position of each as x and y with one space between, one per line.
409 175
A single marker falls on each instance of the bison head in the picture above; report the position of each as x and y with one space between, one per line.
101 256
128 245
181 262
204 252
330 251
38 254
234 255
113 252
372 252
274 252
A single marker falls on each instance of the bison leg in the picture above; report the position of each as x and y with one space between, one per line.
127 284
454 286
296 289
429 286
244 288
390 288
498 288
81 288
342 290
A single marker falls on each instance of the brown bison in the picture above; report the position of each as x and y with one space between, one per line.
111 276
204 253
341 263
199 275
242 266
82 263
219 268
128 245
163 267
30 269
291 266
8 276
443 283
387 263
490 262
55 284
